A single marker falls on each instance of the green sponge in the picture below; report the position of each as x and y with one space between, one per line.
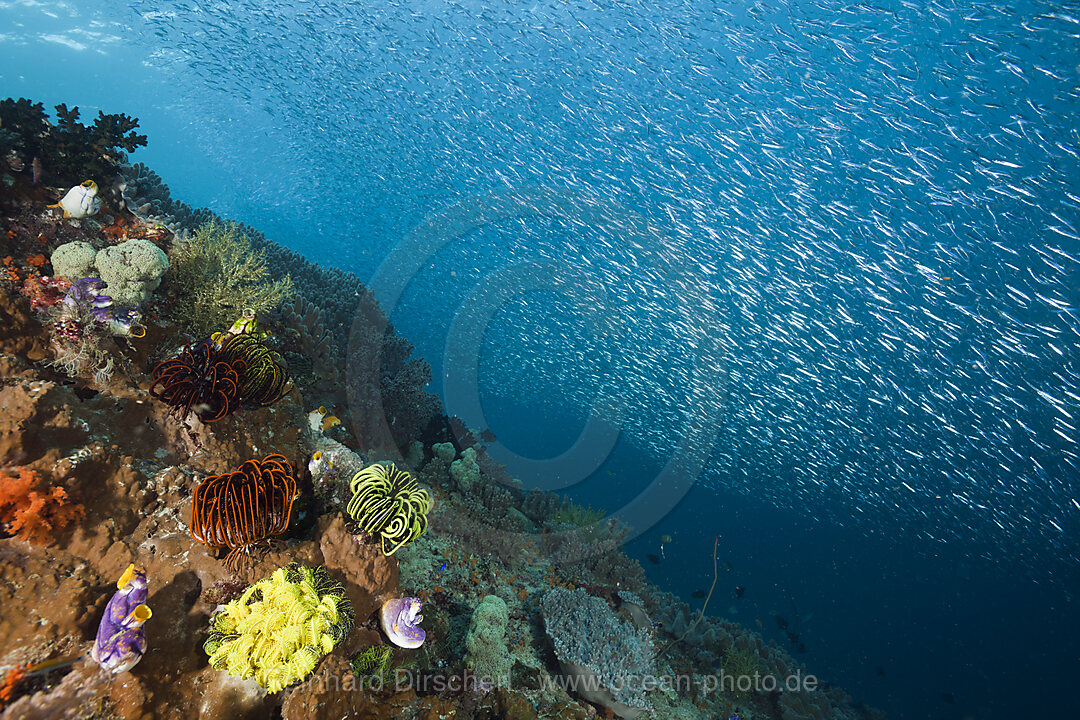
485 644
131 270
74 260
465 471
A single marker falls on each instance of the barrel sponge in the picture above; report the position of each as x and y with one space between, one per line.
131 270
74 260
485 644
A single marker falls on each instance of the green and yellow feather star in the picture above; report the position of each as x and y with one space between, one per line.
279 629
389 503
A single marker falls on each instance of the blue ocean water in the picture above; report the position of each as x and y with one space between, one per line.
806 271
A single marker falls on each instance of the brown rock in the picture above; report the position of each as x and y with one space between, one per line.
131 698
82 693
44 600
370 577
436 708
20 332
334 693
226 697
36 416
222 446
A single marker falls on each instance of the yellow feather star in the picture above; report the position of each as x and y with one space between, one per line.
280 627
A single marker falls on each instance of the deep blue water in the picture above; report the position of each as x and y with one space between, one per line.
830 248
933 620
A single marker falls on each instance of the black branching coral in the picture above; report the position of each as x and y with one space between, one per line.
68 152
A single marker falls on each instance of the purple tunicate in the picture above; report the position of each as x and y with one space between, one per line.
84 292
121 322
121 640
401 619
85 298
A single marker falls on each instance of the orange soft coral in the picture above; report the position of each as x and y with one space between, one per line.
117 230
33 515
37 260
11 683
10 270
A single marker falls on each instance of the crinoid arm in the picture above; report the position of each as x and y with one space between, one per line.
198 380
265 376
240 509
280 628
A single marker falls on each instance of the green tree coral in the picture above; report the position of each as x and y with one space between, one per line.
374 662
579 515
740 672
218 274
